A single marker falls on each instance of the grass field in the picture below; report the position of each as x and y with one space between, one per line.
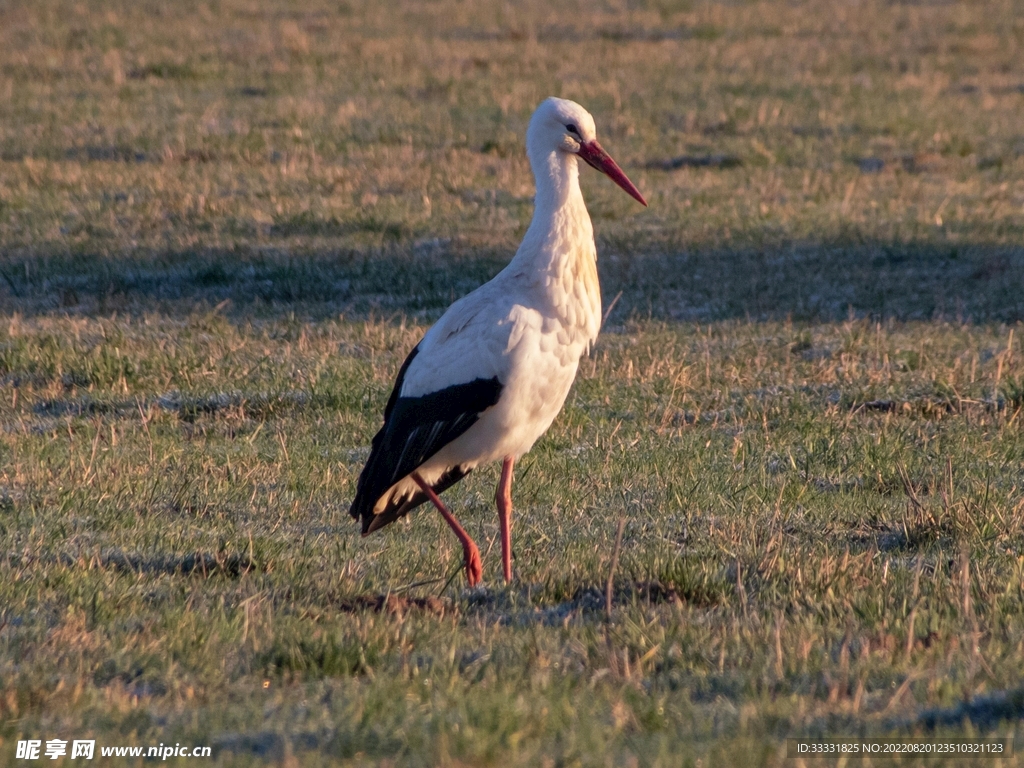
223 225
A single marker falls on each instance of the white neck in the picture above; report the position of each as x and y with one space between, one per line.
557 176
560 216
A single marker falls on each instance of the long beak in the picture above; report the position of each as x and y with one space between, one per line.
596 157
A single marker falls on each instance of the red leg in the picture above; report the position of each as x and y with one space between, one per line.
503 498
474 566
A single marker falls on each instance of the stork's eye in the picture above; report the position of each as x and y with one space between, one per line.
571 128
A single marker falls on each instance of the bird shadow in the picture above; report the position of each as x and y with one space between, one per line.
393 604
515 604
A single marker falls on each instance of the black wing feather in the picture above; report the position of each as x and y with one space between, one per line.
415 428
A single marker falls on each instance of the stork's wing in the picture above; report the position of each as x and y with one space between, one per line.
415 428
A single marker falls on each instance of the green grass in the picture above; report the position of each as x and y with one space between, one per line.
224 224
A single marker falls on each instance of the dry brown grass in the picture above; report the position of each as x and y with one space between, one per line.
222 226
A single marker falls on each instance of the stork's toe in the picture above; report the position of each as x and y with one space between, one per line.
474 565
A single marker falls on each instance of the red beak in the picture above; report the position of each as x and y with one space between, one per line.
596 157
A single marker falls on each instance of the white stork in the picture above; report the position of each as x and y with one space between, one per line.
489 377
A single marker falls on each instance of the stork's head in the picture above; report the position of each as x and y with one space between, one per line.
564 126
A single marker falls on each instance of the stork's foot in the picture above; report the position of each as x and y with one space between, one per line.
474 565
